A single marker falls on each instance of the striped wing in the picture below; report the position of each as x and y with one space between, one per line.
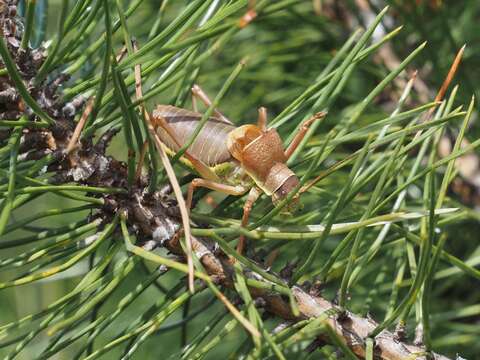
210 146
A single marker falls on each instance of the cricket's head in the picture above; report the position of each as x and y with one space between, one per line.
262 156
281 182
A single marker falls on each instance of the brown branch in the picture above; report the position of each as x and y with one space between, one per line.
353 329
81 123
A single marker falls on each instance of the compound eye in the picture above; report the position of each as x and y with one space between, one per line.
285 189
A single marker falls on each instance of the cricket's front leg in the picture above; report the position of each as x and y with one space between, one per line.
253 195
301 133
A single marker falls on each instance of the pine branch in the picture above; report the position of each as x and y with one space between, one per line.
353 329
44 132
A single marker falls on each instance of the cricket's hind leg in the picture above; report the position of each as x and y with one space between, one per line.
198 93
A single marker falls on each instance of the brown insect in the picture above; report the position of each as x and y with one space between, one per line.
232 159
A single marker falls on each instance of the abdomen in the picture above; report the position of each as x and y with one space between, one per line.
210 146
